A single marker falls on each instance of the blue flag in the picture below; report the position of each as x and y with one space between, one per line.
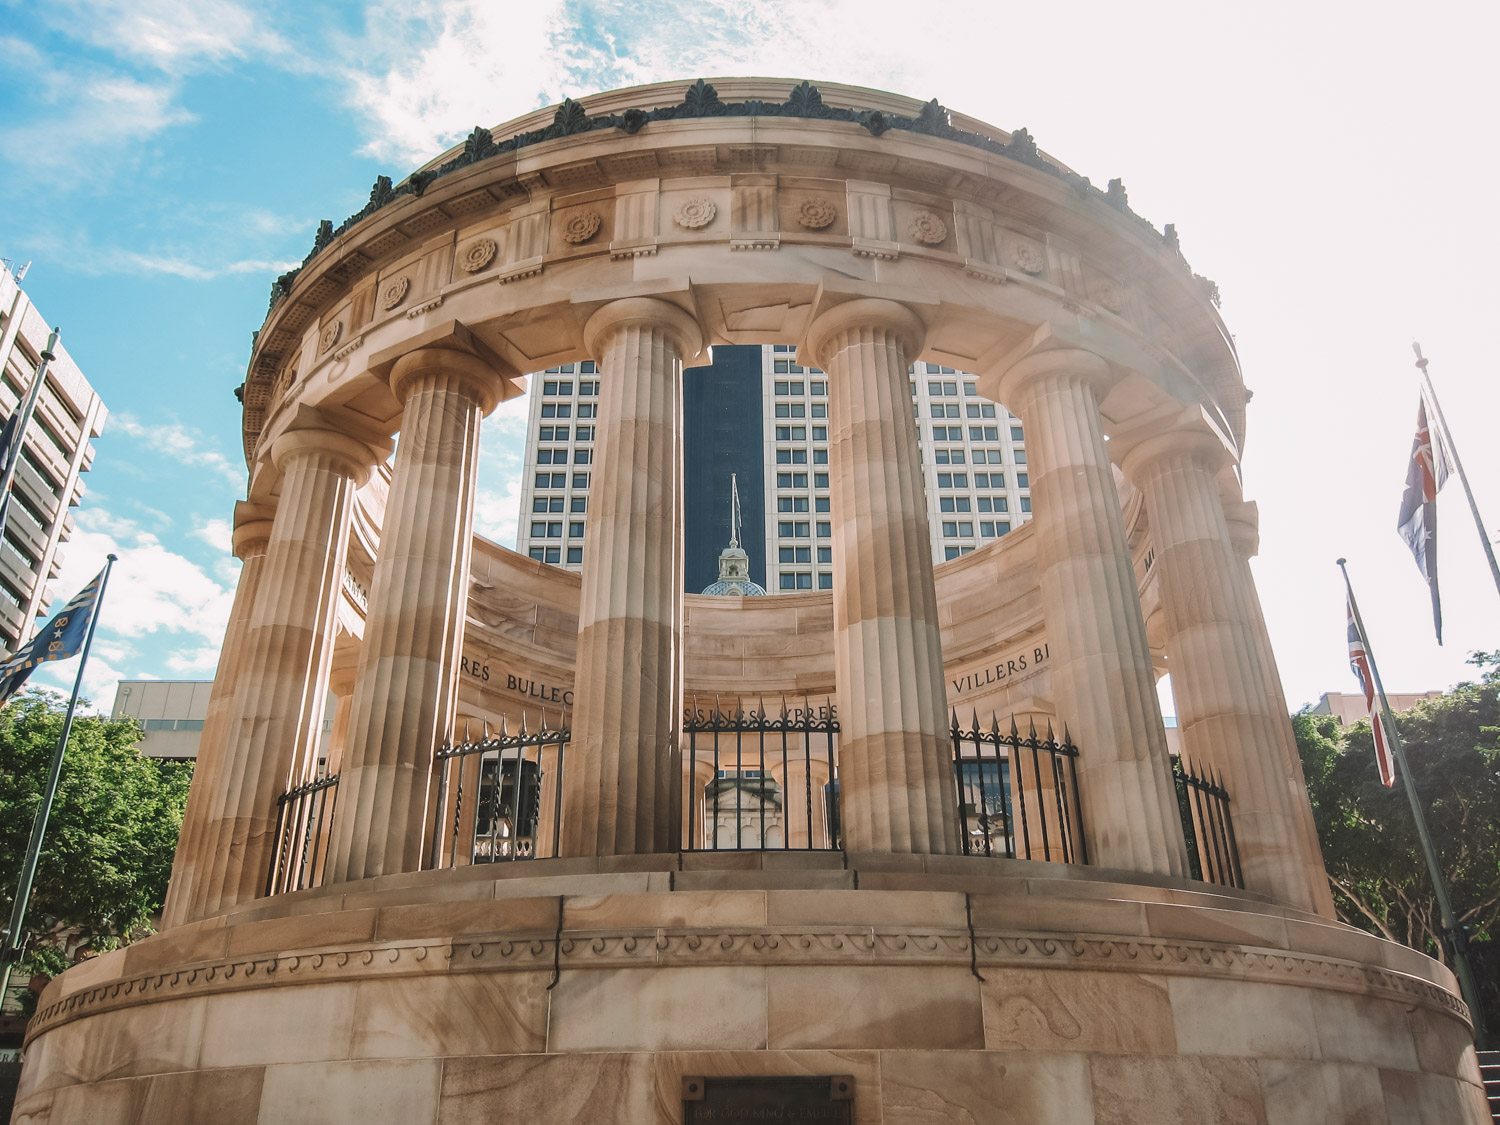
10 449
63 637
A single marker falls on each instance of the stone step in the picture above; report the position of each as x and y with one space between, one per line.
1489 1071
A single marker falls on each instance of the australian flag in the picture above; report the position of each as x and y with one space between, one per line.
63 637
1418 520
1359 660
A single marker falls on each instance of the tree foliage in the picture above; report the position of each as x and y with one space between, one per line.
108 850
1370 843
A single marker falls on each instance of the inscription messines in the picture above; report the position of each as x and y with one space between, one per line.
827 1099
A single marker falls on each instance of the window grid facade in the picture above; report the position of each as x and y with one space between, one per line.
973 464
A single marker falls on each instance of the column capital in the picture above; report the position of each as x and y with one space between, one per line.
685 331
1189 435
865 312
252 530
474 375
1243 518
1022 370
351 457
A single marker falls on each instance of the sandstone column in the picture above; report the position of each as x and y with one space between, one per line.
897 790
408 663
1101 678
1228 714
252 531
275 721
622 787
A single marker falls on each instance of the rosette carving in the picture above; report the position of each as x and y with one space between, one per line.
696 214
478 254
927 228
394 292
1028 257
330 335
1110 295
581 227
816 214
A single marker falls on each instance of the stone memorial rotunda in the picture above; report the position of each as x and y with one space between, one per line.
586 848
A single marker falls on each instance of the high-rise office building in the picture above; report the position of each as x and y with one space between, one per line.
758 414
55 454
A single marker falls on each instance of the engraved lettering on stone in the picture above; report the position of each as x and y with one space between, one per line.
927 228
330 336
479 254
816 214
394 292
581 227
696 214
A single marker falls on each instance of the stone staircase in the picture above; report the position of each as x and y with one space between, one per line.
1489 1069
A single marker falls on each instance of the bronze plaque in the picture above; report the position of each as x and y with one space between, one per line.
764 1100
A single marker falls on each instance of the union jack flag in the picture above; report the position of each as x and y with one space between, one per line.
1418 519
1359 660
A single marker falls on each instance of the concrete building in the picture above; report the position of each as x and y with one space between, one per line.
757 412
640 918
172 714
1349 707
55 455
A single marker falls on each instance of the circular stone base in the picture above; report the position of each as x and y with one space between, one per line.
950 989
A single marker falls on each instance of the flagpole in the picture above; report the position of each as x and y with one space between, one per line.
1458 465
27 408
10 951
1457 940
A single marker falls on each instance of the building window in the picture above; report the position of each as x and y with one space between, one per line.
824 530
575 529
1016 434
1023 480
820 480
538 554
578 504
820 504
575 556
820 410
554 555
580 480
1026 503
584 433
582 456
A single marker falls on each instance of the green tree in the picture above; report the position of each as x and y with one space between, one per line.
108 850
1370 844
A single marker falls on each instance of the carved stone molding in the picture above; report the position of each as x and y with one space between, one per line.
696 214
394 292
581 227
349 348
816 213
330 336
426 306
477 255
665 948
1028 257
926 228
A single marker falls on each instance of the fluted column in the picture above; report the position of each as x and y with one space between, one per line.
623 780
252 532
1102 680
275 719
1226 710
896 786
408 664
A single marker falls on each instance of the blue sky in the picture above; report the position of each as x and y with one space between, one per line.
1327 164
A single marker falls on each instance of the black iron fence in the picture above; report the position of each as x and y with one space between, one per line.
304 821
1017 797
1207 827
499 796
761 780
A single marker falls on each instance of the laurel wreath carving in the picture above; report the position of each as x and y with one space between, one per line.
394 292
695 214
816 214
927 228
581 227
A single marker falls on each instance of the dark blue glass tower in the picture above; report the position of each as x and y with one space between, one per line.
723 432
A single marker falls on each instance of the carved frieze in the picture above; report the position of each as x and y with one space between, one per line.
581 227
816 213
394 292
695 214
477 255
925 227
1027 256
330 335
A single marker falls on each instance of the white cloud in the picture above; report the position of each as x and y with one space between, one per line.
172 439
91 116
497 512
115 260
174 36
217 533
